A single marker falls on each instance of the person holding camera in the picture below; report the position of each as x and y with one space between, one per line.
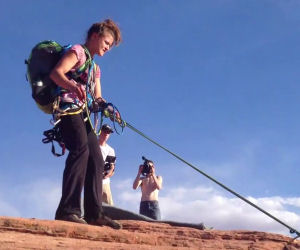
150 185
109 157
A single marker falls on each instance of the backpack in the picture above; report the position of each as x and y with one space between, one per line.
42 59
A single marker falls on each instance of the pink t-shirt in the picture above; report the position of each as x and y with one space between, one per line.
81 56
71 97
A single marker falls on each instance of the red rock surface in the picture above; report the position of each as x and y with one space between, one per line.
20 233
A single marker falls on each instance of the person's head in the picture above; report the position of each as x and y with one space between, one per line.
106 130
102 36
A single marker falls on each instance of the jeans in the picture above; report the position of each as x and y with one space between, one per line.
150 209
84 168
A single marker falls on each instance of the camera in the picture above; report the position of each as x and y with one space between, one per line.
146 166
108 164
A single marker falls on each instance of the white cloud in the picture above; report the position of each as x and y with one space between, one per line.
218 210
40 198
292 201
36 199
44 196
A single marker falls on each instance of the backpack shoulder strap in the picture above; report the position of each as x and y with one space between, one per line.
87 64
88 61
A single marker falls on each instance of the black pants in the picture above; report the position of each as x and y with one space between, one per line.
84 168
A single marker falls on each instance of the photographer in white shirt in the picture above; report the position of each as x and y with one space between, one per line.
108 153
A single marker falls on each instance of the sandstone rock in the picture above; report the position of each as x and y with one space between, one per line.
20 233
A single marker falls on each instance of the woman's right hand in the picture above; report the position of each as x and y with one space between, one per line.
79 90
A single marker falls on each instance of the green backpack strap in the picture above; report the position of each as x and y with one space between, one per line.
88 63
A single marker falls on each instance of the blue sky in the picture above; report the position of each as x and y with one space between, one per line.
216 82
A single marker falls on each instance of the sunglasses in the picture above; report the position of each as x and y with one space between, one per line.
106 131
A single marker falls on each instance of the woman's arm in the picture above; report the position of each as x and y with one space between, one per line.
98 92
58 74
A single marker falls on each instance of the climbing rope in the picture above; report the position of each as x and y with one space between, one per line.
112 112
291 229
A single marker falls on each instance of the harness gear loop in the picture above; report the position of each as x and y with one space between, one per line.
52 135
